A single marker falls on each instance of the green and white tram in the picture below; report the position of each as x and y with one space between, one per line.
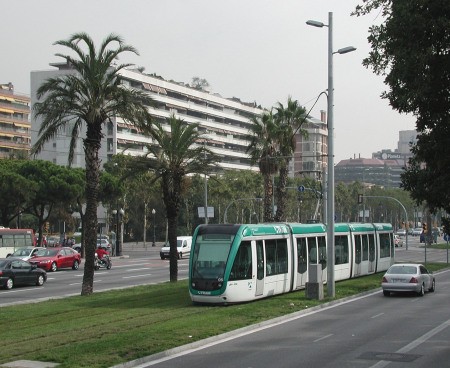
234 263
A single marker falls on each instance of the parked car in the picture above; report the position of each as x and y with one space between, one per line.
25 253
417 231
183 247
15 271
401 232
77 247
56 258
397 241
408 277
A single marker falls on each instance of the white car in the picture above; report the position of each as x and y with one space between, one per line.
408 277
417 231
183 247
25 253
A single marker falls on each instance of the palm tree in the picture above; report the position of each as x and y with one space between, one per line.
262 150
288 121
89 97
173 155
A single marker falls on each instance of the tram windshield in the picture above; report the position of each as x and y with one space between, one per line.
210 255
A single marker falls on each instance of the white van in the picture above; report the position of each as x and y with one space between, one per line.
183 247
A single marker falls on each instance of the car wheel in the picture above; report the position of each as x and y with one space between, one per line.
9 284
386 293
162 257
422 290
40 280
53 267
433 286
76 264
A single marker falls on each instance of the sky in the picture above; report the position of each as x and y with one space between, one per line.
256 50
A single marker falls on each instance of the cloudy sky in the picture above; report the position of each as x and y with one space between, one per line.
257 50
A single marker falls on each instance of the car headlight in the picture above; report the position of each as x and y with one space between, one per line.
46 261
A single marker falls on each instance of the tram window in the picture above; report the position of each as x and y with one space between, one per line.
276 256
322 248
341 249
357 249
302 263
365 248
242 265
312 250
260 259
371 248
385 245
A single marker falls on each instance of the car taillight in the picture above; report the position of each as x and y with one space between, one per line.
413 280
384 279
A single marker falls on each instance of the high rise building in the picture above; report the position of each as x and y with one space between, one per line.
15 129
223 121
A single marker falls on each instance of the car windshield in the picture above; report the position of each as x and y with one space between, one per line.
402 270
21 252
47 253
178 244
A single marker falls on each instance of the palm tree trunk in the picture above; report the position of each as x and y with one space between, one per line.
268 192
281 193
90 222
172 230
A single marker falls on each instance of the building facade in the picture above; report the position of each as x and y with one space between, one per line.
310 156
15 128
224 122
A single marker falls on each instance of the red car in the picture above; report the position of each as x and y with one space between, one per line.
51 259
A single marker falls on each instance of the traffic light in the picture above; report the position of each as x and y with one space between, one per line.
424 227
47 226
360 198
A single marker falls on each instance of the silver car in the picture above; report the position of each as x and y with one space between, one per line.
408 277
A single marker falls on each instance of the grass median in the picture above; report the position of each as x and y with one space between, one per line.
109 328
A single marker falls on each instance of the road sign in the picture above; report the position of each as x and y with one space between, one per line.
446 237
301 188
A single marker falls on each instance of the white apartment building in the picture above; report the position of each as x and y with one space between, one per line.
223 121
310 156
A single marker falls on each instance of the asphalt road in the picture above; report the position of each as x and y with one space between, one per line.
138 266
367 331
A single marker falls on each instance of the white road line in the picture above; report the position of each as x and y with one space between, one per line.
323 338
377 315
412 345
130 277
138 269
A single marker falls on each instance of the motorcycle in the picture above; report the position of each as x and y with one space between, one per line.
104 262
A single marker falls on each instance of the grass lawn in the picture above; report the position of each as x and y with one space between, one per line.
113 327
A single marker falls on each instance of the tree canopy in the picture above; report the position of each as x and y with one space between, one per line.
411 49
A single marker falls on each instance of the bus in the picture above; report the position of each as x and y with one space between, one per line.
11 239
235 263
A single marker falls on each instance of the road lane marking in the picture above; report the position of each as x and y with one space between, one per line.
323 337
130 277
137 269
377 315
412 345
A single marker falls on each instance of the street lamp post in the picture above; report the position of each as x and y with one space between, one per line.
119 235
330 187
154 227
